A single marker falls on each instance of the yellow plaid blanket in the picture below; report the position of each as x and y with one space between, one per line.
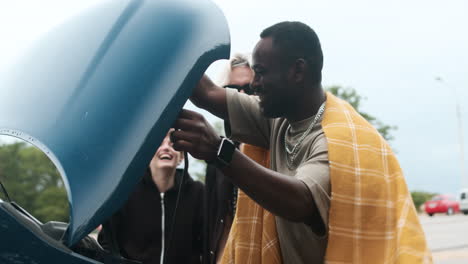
372 218
253 238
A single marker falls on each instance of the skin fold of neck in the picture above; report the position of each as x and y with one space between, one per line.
307 107
163 178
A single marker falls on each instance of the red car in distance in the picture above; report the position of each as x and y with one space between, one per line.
442 204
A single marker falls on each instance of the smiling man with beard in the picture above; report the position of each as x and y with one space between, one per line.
335 186
289 89
142 226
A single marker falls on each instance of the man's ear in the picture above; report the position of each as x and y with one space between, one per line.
299 70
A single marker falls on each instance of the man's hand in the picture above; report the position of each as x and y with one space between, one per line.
282 195
195 135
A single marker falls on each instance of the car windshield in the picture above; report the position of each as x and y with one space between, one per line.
437 198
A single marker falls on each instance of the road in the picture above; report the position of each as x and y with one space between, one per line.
447 237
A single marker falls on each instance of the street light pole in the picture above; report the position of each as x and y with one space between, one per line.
460 132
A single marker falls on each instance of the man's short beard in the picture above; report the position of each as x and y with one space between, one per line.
272 111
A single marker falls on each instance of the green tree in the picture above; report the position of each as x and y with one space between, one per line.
198 169
352 97
33 182
420 197
51 204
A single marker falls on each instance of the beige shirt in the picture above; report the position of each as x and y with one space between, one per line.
299 244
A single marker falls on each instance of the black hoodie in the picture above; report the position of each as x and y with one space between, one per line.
138 229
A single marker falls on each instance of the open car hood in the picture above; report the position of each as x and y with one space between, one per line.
98 93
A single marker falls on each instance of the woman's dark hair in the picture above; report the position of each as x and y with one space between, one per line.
296 40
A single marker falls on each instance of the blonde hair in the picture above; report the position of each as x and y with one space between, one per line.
238 60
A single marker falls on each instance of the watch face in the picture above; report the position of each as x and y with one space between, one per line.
225 151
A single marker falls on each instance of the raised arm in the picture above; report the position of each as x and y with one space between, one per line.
210 97
282 195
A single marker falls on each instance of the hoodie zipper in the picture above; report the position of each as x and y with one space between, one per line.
162 228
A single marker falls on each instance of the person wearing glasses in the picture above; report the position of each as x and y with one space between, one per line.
239 74
221 192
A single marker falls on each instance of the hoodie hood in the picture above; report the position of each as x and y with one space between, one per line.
188 180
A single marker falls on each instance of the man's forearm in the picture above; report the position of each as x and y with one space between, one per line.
282 195
210 97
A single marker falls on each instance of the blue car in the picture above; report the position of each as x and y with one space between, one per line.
97 95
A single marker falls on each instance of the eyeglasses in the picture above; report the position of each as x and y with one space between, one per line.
246 88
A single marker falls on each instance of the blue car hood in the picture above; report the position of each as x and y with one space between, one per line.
98 93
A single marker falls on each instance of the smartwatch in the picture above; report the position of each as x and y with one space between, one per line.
225 152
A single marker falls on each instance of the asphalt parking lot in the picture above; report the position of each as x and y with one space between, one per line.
447 237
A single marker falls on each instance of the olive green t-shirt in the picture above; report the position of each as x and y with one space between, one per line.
299 244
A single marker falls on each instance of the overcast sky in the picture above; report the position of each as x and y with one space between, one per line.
390 52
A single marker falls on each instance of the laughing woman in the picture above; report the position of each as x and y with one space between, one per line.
142 227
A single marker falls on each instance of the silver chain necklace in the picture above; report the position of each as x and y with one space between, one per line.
291 153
